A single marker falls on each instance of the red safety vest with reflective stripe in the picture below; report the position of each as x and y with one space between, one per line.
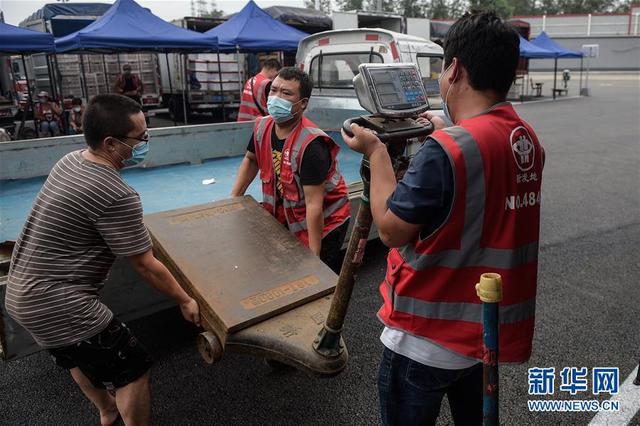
429 287
336 206
248 109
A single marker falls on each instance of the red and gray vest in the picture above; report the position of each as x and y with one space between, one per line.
336 206
493 226
254 92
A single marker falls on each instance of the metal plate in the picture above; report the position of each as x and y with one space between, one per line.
238 262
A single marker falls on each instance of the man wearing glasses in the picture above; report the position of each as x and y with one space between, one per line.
83 218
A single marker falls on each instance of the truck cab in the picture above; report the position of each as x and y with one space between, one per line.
332 58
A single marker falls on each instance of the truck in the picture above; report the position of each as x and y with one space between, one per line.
203 82
84 75
332 57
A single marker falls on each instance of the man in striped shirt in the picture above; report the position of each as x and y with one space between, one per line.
84 217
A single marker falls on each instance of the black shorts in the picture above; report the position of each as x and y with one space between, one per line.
110 360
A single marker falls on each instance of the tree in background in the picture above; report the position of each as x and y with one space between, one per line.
503 8
412 8
325 5
349 4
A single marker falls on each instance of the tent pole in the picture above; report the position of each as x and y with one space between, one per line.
581 60
221 85
106 74
166 56
54 89
186 85
84 79
58 76
240 85
555 71
33 109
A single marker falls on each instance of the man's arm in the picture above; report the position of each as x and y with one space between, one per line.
246 173
393 231
314 199
156 274
56 108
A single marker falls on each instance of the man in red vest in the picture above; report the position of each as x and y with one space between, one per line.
469 203
254 95
301 184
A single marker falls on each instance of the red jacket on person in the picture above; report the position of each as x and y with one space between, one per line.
494 223
254 91
336 204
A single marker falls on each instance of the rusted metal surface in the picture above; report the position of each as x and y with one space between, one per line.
288 338
238 262
328 342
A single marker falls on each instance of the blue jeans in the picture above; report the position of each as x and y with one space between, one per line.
49 128
411 393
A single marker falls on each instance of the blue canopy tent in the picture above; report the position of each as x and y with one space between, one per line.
23 41
254 30
127 27
545 42
531 51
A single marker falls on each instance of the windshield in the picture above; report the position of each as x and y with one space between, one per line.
336 70
430 68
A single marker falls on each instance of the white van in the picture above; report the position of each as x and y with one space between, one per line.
332 57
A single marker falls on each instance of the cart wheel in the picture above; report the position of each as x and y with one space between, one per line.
209 347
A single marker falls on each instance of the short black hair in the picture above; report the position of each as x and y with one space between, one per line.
271 64
487 48
76 101
108 115
293 73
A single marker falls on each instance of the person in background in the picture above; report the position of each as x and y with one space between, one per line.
457 213
129 84
256 90
84 217
47 115
298 164
76 116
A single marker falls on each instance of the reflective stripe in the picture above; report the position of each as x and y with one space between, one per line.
249 117
454 311
260 128
248 104
470 253
487 257
268 199
302 225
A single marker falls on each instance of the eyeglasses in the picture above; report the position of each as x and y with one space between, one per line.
144 138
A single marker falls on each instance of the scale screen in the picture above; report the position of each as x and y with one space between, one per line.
398 88
391 90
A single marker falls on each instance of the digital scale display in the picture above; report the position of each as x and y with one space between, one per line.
398 88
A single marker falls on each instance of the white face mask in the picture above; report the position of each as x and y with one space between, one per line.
76 109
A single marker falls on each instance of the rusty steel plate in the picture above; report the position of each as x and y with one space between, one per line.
238 262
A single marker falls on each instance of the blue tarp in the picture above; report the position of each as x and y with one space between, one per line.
545 42
530 50
50 11
66 18
20 40
254 30
127 26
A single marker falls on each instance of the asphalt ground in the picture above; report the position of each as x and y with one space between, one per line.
587 308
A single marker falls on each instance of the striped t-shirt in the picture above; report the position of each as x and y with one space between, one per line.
83 217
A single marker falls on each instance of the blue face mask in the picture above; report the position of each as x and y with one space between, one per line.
280 109
445 107
138 153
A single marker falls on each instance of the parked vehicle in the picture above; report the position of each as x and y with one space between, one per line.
213 81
